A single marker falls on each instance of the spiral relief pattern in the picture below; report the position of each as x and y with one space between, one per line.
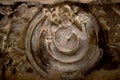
62 38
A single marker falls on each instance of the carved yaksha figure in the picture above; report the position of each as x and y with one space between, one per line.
53 39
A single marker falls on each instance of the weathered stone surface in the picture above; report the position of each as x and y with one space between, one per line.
9 2
42 40
44 1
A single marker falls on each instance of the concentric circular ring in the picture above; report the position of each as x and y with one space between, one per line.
62 39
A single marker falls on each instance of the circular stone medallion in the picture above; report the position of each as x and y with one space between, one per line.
62 40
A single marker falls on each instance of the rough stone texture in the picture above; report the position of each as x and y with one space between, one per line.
9 2
14 21
43 1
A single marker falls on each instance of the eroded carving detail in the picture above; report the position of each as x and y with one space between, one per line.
62 39
59 40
